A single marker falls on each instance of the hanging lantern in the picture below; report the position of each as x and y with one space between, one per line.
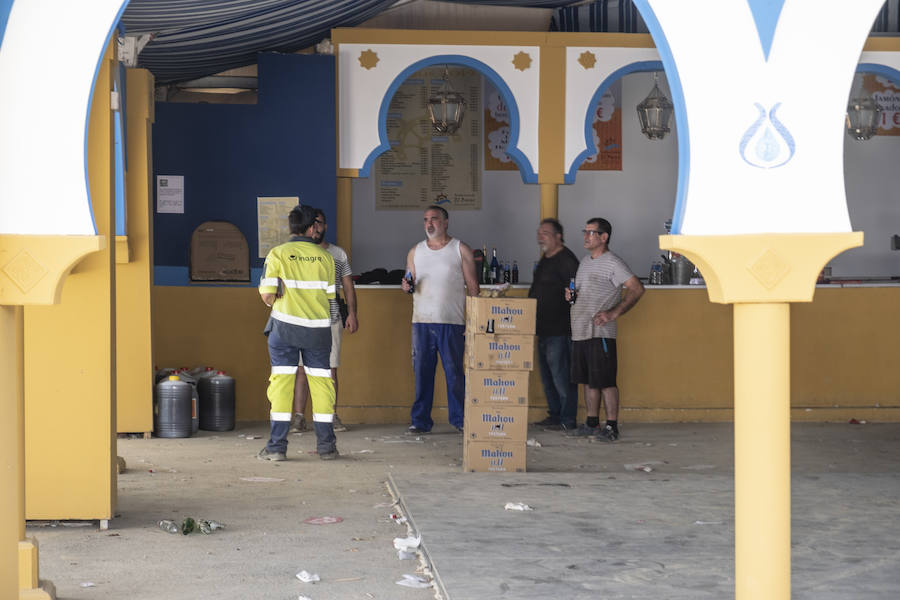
446 107
863 114
654 113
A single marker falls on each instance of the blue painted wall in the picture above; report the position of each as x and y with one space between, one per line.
230 154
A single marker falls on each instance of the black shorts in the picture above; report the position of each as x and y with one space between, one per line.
594 362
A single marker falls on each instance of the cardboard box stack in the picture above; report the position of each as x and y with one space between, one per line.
499 356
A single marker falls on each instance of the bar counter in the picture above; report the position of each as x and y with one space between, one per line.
675 353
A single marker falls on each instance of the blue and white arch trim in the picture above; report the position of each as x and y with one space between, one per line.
43 148
681 121
525 167
365 92
589 147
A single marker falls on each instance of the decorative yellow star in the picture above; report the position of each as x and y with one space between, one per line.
368 59
521 61
587 59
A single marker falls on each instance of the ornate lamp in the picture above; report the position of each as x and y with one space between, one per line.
655 112
863 114
446 107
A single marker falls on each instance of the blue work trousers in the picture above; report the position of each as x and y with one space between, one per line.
429 340
554 352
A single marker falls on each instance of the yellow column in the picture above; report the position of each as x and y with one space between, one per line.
70 359
12 453
762 451
760 275
134 268
549 201
345 214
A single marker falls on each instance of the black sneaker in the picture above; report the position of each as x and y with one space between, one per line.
548 422
413 430
584 430
607 434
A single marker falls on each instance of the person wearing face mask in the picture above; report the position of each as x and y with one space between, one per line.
557 266
440 273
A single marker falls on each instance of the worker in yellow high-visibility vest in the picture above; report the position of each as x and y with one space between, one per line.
297 283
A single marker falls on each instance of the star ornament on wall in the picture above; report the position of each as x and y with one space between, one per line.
368 59
587 60
521 61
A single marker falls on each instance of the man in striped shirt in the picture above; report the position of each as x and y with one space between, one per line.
297 284
599 302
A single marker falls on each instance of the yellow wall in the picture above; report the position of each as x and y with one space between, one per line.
134 360
675 354
70 361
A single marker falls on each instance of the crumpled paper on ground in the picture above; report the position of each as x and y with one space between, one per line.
307 577
407 544
414 581
517 506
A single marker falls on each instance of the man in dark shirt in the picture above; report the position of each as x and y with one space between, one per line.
556 267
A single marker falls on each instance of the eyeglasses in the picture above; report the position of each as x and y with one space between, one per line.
590 232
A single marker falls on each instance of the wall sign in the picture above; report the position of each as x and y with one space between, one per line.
421 168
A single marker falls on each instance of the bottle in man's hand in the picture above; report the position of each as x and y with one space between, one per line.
409 281
572 293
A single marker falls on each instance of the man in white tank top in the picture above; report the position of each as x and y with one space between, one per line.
442 271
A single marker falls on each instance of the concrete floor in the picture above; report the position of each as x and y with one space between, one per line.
599 529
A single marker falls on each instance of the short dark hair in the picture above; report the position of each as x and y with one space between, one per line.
321 213
556 225
301 218
603 226
440 208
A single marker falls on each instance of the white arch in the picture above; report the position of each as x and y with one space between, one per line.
361 91
48 62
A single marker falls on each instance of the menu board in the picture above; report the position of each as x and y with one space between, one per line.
423 168
606 125
272 221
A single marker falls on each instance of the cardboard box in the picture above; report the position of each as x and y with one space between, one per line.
486 351
501 315
494 457
501 423
504 388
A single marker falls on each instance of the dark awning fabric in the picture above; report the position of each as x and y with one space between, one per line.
195 38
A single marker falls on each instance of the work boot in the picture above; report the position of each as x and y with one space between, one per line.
338 426
329 455
298 423
264 454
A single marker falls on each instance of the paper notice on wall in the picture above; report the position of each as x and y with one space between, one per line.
170 194
272 221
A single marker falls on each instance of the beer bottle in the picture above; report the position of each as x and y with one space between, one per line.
572 292
495 276
515 272
485 267
412 284
507 274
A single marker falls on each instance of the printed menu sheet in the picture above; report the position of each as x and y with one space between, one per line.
272 221
424 168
